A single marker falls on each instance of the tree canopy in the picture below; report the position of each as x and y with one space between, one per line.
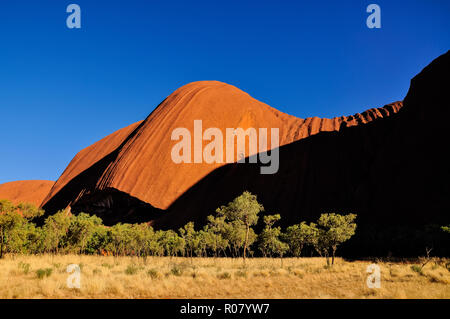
228 232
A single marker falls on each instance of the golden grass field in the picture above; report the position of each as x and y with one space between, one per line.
164 277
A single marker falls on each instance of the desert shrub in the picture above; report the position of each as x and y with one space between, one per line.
25 267
417 269
132 270
176 270
153 273
44 272
224 275
297 273
96 271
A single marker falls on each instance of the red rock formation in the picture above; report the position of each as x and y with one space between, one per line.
26 191
136 160
388 165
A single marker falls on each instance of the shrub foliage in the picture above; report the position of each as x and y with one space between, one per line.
229 232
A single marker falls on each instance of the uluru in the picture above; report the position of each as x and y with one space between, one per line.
29 191
136 160
386 164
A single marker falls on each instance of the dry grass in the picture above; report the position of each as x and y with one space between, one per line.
163 277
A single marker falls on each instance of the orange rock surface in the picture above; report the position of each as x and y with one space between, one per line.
388 165
32 191
137 159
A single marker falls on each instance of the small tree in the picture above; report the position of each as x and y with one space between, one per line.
98 242
214 240
189 235
120 238
14 226
299 235
139 234
333 230
55 230
269 239
151 244
244 209
235 233
9 221
34 239
201 243
29 211
81 229
171 242
216 234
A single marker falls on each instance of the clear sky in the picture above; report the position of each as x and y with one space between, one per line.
63 89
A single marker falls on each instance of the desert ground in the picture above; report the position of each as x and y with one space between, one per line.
45 276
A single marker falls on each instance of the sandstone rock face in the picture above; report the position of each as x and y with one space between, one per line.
31 191
137 161
389 165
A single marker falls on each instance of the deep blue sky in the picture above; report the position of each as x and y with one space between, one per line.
63 89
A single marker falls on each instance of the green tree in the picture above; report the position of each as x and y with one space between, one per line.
151 244
15 227
35 236
214 240
269 242
236 234
120 239
333 230
81 229
55 230
244 210
215 233
29 211
98 241
189 236
171 242
141 234
299 235
201 244
14 235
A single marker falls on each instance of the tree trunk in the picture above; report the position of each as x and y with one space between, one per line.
2 243
246 240
334 253
1 248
